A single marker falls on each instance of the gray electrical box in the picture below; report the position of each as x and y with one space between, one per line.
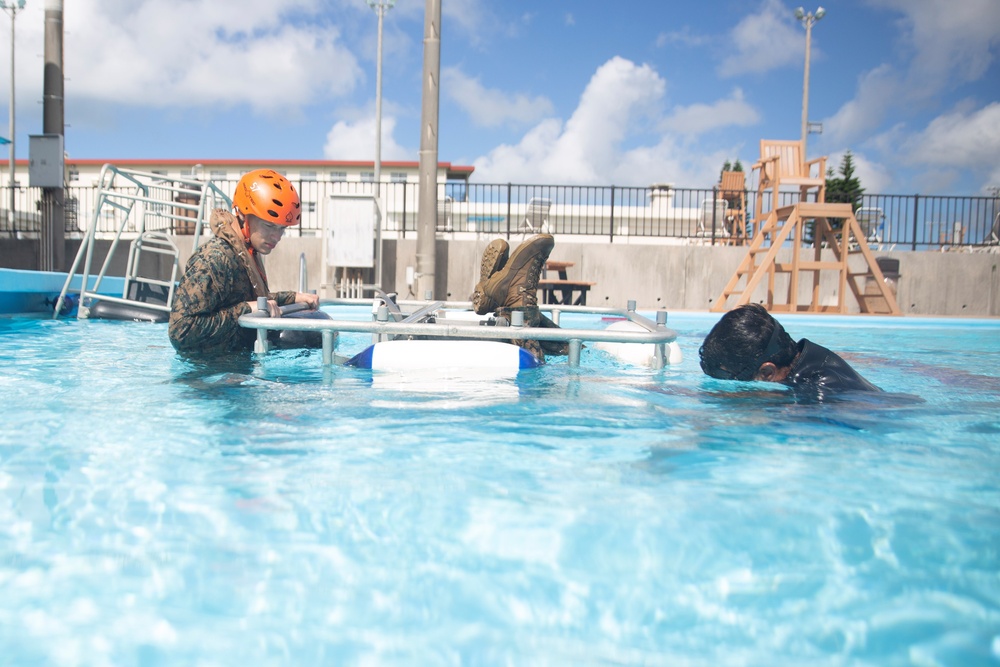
46 169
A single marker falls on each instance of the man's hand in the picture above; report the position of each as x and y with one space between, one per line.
272 307
312 300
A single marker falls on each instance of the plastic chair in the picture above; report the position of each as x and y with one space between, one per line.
716 212
872 223
536 217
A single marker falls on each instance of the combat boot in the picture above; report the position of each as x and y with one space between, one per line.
516 284
494 258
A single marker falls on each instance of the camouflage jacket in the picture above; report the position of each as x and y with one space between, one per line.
220 278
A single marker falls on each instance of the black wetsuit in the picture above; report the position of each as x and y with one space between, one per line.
818 372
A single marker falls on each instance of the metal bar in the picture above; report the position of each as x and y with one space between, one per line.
130 302
575 344
423 312
447 330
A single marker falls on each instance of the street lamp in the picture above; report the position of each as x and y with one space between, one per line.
380 7
13 8
807 19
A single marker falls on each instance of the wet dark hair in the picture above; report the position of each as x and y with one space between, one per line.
742 340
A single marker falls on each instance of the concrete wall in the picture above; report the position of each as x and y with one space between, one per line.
673 277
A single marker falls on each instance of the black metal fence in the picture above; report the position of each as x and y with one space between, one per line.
681 215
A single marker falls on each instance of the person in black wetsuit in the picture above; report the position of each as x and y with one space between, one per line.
748 344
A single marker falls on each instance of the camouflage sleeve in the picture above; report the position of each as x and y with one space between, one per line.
283 298
208 303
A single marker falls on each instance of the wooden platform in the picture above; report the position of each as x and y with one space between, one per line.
836 230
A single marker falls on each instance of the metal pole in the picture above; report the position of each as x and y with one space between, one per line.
380 7
807 19
805 90
378 150
11 206
427 211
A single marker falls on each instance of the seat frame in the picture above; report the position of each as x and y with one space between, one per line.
783 163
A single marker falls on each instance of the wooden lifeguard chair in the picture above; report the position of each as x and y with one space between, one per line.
836 232
733 189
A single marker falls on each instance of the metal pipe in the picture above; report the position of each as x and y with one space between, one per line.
444 330
575 344
380 7
10 208
427 212
329 339
807 19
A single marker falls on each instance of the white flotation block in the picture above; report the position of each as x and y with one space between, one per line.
638 354
402 355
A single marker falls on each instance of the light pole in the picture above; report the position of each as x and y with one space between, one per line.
807 19
380 7
13 8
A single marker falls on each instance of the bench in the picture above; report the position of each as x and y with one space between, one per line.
565 288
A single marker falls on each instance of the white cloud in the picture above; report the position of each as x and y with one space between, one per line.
942 45
760 42
951 41
489 107
590 148
878 91
355 140
155 54
589 142
959 139
699 118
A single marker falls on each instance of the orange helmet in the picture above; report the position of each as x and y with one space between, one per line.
268 195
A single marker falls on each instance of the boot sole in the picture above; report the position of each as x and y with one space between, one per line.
494 258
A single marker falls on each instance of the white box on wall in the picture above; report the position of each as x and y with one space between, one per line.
46 167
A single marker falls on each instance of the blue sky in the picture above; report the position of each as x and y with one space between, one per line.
542 91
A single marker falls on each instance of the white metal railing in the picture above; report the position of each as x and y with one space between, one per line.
139 201
417 324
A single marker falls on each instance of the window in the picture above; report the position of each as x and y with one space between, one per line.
218 175
74 175
308 207
368 177
307 176
457 190
398 177
338 176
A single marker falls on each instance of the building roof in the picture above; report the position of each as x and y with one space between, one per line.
453 171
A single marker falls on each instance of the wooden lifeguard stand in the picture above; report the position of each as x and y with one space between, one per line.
835 230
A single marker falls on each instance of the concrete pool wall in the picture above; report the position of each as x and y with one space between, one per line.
673 277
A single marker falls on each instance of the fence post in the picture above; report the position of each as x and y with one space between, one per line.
916 205
403 226
612 230
508 209
715 211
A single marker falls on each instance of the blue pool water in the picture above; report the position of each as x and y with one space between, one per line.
271 511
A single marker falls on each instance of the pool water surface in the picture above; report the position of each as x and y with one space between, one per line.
268 510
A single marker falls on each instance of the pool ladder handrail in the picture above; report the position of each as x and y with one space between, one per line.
139 188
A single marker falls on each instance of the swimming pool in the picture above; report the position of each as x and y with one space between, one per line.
273 511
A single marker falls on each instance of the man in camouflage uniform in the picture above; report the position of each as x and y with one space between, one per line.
509 282
225 276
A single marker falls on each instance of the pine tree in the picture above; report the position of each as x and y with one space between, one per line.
846 189
726 166
729 166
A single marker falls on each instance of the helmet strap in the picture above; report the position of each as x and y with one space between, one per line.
245 228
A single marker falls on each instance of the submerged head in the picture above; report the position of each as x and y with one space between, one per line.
748 344
266 204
